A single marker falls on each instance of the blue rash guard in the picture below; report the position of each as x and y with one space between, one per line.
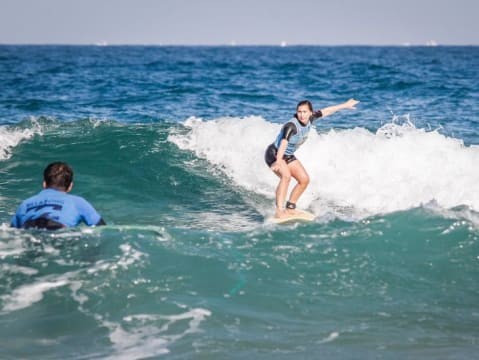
297 137
57 206
295 133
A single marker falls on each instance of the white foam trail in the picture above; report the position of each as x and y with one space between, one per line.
129 256
142 335
331 337
26 295
10 137
10 248
8 269
11 241
353 172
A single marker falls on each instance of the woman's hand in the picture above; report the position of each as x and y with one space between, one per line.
277 165
350 104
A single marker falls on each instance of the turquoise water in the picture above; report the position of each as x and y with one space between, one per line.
167 143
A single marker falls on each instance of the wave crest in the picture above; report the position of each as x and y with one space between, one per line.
354 172
12 136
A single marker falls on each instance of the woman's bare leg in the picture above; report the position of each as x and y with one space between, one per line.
284 175
299 173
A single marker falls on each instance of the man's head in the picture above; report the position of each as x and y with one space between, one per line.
58 176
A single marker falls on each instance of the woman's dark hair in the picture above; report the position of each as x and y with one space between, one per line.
58 175
305 102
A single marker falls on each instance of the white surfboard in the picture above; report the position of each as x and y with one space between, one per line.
299 216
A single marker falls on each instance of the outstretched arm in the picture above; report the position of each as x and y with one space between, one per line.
350 104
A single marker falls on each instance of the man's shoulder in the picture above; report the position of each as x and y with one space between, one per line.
37 197
55 195
77 198
82 204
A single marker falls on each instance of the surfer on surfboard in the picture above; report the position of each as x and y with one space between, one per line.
280 158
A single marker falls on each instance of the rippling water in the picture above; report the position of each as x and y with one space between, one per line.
167 143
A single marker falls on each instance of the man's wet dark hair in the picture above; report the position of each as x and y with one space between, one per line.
58 175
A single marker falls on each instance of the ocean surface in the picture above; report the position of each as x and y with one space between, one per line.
167 143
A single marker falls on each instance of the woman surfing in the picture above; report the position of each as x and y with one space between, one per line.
280 158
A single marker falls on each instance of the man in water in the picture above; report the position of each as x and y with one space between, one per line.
53 208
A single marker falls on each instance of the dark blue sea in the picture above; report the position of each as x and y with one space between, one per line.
167 143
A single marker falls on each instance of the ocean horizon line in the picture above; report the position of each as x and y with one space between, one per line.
100 44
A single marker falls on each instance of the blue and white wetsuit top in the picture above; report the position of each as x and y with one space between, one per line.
296 139
61 207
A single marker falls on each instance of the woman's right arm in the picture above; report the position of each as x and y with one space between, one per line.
279 155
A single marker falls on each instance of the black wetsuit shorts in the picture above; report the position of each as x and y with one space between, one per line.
270 156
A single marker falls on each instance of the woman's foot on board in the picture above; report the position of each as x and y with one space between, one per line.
291 209
281 213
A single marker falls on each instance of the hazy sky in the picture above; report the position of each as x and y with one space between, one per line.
207 22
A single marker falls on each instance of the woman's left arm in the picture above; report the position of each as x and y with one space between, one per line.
350 104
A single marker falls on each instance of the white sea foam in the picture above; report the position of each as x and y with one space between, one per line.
10 137
11 248
354 172
8 269
145 335
12 240
129 256
26 295
331 337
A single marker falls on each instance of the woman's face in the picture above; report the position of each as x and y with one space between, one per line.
303 113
